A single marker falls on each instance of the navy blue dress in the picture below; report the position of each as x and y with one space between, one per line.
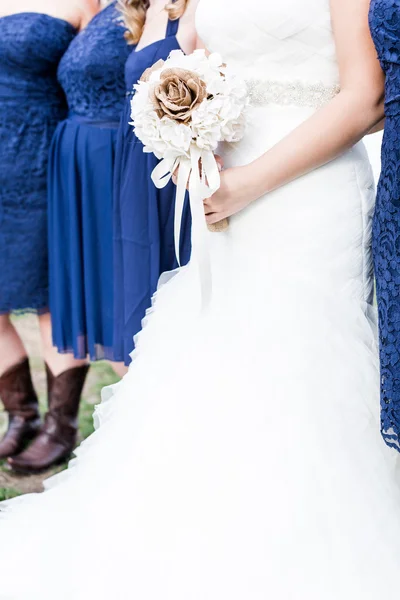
143 215
385 28
81 187
31 105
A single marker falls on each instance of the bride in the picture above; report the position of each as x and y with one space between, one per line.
240 458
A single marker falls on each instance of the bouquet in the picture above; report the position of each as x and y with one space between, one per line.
181 110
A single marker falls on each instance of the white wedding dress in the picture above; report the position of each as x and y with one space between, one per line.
240 458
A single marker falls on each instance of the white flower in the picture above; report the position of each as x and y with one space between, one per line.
220 117
175 134
234 130
139 102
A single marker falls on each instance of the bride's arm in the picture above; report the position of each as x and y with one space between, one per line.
329 132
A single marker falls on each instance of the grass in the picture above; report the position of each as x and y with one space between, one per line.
8 493
102 375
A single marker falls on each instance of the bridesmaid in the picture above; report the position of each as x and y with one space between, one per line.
385 28
34 34
143 215
81 165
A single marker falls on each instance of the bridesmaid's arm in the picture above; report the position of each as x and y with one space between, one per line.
187 35
378 127
200 45
329 132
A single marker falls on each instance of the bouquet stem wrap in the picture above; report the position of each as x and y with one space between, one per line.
200 188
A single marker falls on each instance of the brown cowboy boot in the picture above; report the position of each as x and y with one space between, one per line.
21 403
57 437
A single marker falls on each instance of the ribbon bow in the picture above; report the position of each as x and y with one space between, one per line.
200 188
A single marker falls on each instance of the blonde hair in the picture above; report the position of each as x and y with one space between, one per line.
134 12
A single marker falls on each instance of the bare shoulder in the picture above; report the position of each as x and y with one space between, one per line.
88 9
91 7
88 6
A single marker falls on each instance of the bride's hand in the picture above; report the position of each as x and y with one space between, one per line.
235 193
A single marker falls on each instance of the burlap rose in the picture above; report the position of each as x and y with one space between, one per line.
177 94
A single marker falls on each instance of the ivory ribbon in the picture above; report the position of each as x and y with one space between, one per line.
200 188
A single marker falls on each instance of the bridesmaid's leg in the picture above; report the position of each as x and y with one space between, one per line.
57 363
12 350
16 391
119 368
65 380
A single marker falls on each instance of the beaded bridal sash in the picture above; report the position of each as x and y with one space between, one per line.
296 93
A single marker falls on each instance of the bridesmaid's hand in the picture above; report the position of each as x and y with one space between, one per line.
236 192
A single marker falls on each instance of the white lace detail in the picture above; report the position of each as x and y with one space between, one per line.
295 93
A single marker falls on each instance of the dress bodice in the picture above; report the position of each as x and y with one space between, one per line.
285 40
31 105
92 70
31 46
141 59
385 28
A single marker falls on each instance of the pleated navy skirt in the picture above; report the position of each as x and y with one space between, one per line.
80 237
143 235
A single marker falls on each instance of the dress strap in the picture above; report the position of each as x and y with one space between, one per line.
172 28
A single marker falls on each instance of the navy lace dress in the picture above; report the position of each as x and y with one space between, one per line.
143 215
31 105
81 187
385 28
